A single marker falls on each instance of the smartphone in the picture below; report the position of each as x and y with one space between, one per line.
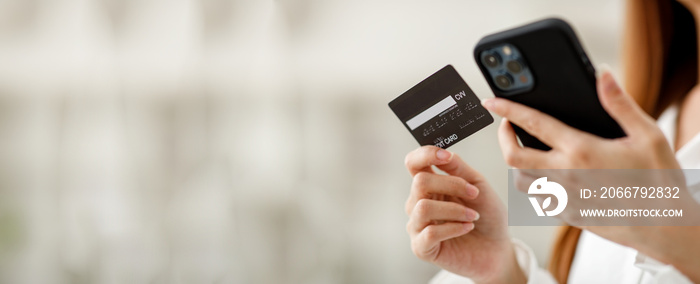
544 66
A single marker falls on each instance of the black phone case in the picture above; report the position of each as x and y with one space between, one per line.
564 78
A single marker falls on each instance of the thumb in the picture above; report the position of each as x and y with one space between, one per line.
621 106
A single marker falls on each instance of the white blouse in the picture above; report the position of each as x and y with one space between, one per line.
598 260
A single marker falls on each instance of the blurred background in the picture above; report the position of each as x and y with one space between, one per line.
213 141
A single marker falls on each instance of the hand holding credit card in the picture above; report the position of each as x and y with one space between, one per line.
441 110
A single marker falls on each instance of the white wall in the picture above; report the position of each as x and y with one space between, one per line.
211 141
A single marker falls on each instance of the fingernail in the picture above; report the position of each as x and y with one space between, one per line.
474 192
443 155
488 103
477 216
602 69
609 83
469 226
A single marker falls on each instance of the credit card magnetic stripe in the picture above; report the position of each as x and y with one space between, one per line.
431 112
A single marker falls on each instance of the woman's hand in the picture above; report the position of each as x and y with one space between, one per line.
644 147
457 221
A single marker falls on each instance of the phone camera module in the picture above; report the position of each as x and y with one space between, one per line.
507 69
504 81
514 66
492 60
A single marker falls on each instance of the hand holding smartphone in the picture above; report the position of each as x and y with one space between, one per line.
544 66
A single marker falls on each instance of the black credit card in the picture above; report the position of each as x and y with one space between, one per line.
441 110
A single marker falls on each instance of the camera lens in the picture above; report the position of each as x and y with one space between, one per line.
503 81
514 66
492 60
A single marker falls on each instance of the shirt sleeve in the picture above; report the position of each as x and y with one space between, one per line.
657 272
526 260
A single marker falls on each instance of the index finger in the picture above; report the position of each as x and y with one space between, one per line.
421 159
547 129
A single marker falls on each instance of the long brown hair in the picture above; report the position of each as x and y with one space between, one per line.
660 53
660 56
